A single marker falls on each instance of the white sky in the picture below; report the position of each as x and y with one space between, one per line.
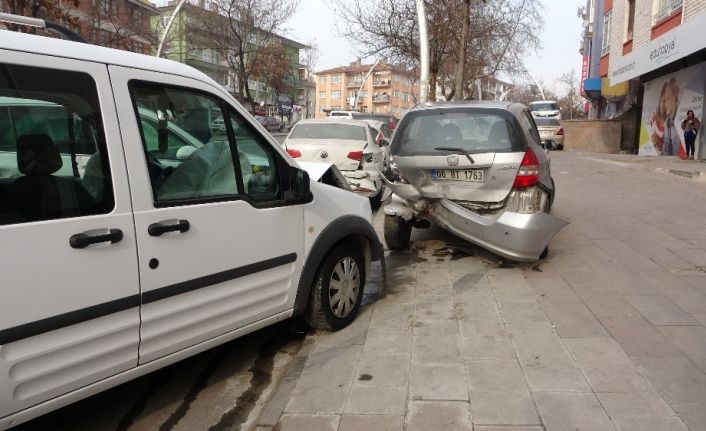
315 21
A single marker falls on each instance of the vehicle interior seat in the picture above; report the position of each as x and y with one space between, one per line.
38 194
498 138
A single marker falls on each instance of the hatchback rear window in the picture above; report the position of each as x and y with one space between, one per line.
476 131
328 131
544 106
547 122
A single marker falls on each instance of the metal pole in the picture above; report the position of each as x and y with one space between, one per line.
169 25
355 102
536 83
423 52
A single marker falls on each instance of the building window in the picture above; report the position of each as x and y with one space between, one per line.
607 19
336 79
322 95
666 8
335 94
396 94
631 19
322 80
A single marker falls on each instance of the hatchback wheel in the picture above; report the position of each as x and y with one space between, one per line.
338 289
397 232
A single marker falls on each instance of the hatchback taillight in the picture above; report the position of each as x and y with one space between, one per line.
355 155
294 153
528 174
560 132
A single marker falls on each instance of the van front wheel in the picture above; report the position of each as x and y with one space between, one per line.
338 289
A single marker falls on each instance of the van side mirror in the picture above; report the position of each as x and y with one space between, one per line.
299 186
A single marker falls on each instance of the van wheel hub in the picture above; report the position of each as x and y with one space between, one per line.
344 287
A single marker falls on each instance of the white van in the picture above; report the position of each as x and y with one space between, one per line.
145 217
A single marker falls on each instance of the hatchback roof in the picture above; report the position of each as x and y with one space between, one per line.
487 104
49 46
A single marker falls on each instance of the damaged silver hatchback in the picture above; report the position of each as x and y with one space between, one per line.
477 170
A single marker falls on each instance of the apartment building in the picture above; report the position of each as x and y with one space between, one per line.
651 64
120 24
189 42
387 90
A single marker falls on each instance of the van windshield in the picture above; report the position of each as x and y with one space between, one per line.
476 131
328 131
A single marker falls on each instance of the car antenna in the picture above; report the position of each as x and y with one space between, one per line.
61 30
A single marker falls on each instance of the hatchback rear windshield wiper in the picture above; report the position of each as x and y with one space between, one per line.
457 150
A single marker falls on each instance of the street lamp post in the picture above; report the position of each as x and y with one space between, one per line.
355 101
169 25
423 52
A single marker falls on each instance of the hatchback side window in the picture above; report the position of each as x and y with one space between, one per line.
529 125
258 162
189 158
53 160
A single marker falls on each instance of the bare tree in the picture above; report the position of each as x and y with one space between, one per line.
122 19
51 10
500 34
571 82
240 30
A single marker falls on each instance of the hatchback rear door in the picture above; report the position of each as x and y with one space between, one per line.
469 154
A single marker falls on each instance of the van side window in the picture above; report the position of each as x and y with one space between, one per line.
189 156
258 162
53 160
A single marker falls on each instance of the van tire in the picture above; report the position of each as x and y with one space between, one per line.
397 232
319 314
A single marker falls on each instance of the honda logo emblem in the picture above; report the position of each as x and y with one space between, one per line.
324 154
452 160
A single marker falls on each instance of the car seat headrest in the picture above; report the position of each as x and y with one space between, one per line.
37 155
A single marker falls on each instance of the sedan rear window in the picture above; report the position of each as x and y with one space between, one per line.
471 130
328 131
547 122
544 106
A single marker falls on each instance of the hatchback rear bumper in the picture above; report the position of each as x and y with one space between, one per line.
514 236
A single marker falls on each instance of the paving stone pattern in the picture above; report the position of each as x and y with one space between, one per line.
606 334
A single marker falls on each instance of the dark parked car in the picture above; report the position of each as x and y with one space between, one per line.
272 124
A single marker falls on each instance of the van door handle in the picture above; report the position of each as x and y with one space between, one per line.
160 228
83 240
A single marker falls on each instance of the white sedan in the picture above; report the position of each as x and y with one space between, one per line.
349 144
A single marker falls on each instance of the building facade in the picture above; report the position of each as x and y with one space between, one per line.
120 24
387 90
188 42
652 66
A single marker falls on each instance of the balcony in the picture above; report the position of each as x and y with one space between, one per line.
667 8
354 83
383 98
382 83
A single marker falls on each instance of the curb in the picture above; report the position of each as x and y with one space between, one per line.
694 175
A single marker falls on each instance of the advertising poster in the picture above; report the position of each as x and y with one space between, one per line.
665 104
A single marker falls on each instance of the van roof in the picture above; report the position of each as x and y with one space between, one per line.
16 41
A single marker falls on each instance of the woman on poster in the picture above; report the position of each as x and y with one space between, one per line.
690 126
665 135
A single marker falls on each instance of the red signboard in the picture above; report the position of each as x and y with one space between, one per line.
584 73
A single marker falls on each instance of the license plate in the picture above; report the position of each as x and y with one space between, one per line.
545 133
471 175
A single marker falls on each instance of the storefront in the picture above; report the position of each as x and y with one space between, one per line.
672 70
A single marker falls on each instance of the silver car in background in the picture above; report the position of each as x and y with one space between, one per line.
477 170
550 132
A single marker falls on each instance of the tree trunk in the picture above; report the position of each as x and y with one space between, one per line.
461 60
432 86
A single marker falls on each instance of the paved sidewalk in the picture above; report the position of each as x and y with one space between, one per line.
694 169
606 334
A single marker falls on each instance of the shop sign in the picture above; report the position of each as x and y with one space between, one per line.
673 45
